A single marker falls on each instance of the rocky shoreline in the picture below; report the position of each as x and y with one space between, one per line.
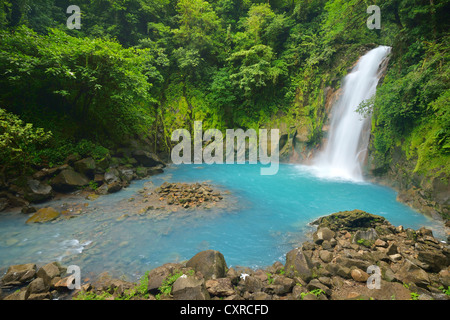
95 177
340 262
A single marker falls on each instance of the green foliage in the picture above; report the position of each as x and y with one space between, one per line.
17 142
445 291
166 286
315 292
96 82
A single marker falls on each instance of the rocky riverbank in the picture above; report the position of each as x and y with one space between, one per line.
95 177
341 261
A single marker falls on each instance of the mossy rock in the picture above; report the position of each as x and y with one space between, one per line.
44 215
350 220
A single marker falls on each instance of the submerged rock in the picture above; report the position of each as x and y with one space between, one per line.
44 215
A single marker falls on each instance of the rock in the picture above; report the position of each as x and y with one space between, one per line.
21 294
49 272
435 259
63 284
126 174
425 232
157 276
40 296
380 243
141 172
38 191
43 215
395 257
349 263
284 284
221 287
112 175
338 270
86 167
350 220
68 180
147 159
298 265
323 234
28 209
366 235
251 284
444 277
326 256
38 285
20 273
411 273
189 288
3 204
392 249
315 284
210 263
114 187
359 275
261 296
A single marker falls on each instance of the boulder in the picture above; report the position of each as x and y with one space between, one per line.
114 187
326 256
43 215
210 263
37 191
189 288
86 167
411 273
19 273
359 275
126 174
157 276
366 235
221 287
251 284
315 284
323 234
350 220
21 294
435 259
49 272
283 283
298 264
38 285
112 175
68 180
147 159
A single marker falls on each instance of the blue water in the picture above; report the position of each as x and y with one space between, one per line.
266 217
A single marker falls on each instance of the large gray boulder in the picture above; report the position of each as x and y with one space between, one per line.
69 180
37 191
189 288
210 263
86 167
298 264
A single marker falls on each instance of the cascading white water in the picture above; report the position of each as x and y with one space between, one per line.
349 131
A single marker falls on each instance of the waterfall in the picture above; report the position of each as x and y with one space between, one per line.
349 132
